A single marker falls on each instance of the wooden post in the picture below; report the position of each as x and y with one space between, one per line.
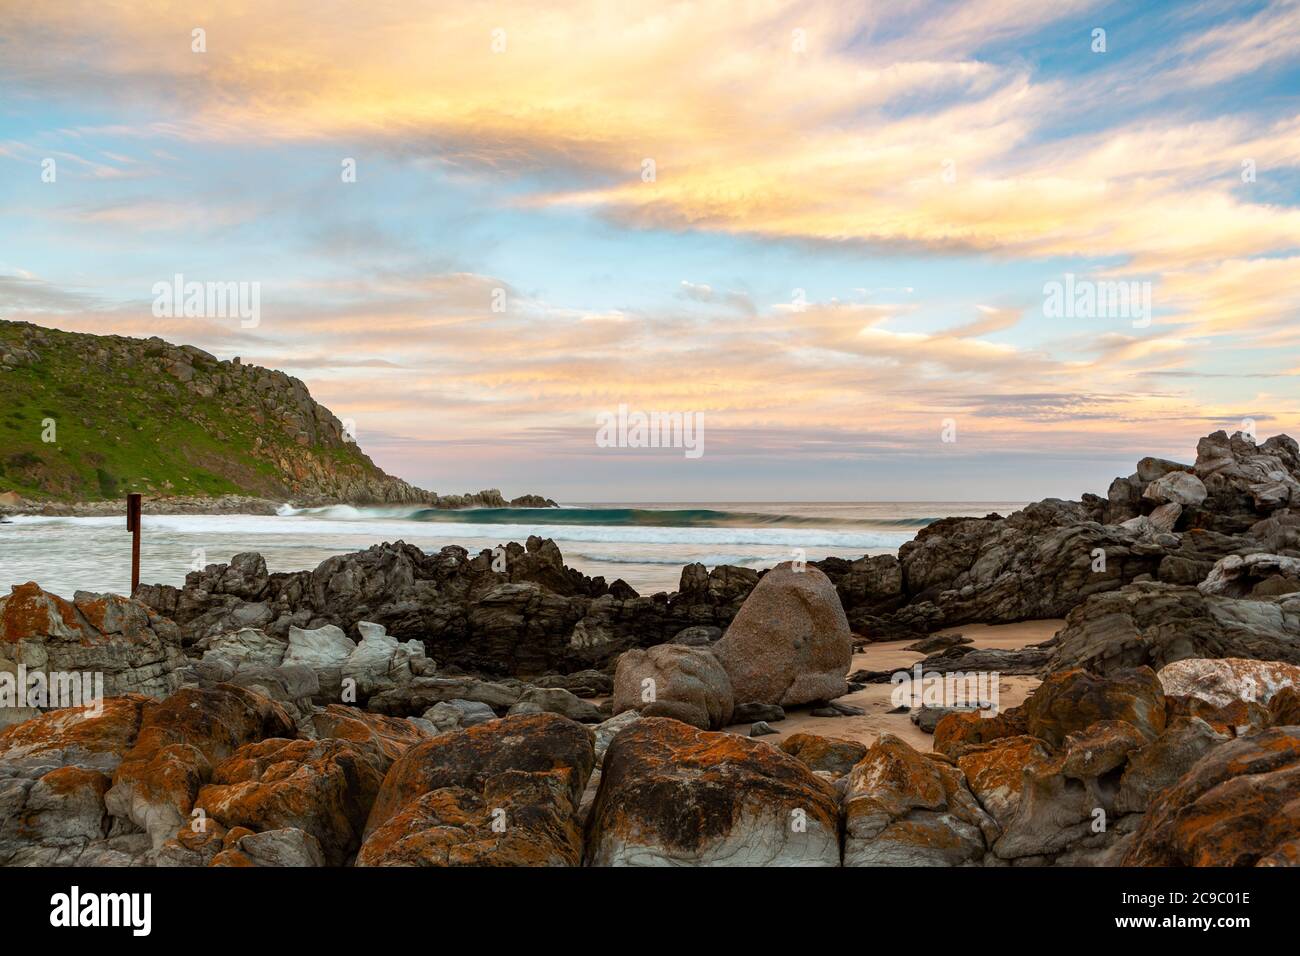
133 525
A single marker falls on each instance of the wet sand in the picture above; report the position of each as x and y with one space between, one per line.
874 699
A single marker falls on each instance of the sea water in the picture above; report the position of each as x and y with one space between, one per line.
646 545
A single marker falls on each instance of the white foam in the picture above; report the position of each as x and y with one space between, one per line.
393 529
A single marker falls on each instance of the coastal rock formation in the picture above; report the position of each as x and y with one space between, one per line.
672 680
134 649
672 795
1258 576
535 618
1234 807
1229 680
538 617
324 788
54 771
790 642
1157 624
505 793
1090 770
904 808
1168 522
179 741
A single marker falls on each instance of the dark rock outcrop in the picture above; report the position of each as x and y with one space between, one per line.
1156 624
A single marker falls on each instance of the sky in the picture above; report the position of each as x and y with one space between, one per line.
837 232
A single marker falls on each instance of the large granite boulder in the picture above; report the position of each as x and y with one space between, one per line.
673 680
790 642
673 795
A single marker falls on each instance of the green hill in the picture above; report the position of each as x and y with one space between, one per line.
90 417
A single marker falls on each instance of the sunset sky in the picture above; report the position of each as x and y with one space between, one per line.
854 211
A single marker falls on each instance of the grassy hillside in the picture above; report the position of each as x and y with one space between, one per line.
144 415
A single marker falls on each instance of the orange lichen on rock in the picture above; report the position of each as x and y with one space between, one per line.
502 793
322 787
670 793
1237 806
831 754
961 730
521 819
1073 700
903 808
384 738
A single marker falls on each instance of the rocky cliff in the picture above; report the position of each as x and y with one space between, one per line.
89 418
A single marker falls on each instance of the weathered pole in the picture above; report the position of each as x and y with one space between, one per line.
133 525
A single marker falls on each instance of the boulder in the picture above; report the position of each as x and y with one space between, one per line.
1176 487
831 755
324 649
420 693
790 642
1152 469
903 808
959 731
557 700
179 741
604 732
1073 700
1222 682
1253 576
288 847
697 636
382 739
520 819
380 663
458 714
320 787
136 650
750 712
1234 807
995 772
245 647
673 680
674 795
504 793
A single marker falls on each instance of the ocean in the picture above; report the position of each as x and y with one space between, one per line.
644 544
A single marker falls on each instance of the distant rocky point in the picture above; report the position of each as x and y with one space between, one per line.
85 419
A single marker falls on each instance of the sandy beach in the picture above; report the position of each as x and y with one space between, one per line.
874 699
